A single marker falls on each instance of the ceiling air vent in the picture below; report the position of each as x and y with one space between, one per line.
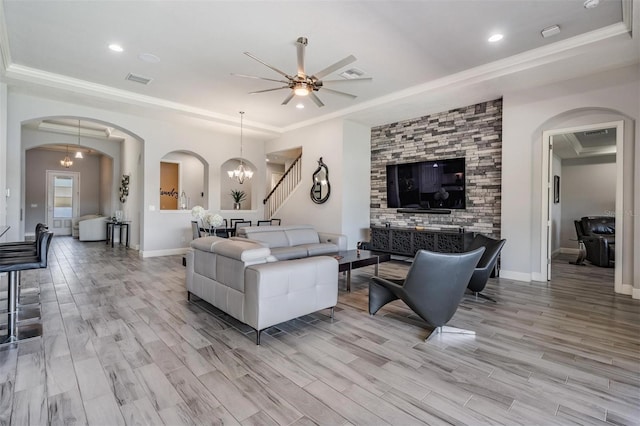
352 73
596 132
138 78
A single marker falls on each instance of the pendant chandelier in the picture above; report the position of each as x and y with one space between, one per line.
66 162
79 153
241 172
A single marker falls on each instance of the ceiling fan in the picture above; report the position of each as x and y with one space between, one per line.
303 84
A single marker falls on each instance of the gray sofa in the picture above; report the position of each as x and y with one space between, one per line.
294 241
243 279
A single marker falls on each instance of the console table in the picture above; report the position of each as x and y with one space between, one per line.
407 241
123 225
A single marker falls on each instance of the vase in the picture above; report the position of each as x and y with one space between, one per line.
236 206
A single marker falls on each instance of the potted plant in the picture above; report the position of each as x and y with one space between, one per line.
238 197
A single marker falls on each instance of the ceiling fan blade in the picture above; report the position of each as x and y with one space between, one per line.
288 98
316 99
301 43
258 78
348 95
348 80
268 90
267 65
331 68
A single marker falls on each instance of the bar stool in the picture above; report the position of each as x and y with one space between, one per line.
13 263
22 248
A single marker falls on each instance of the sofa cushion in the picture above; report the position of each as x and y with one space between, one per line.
271 237
206 243
286 253
299 236
320 248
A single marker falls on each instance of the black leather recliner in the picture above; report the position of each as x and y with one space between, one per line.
598 236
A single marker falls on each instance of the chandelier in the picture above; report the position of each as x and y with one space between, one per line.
79 153
66 162
241 172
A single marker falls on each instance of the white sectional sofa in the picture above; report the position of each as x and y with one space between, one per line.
294 241
243 279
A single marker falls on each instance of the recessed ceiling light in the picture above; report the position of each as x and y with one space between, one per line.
494 38
300 106
149 57
116 47
590 4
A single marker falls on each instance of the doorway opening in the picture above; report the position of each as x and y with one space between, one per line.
63 200
564 142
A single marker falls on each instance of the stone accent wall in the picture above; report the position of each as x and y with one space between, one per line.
473 132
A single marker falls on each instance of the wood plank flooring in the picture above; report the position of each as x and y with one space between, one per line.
122 346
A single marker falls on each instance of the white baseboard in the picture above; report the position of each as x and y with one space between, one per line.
517 276
635 293
628 289
158 253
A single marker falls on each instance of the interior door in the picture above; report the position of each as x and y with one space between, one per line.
63 200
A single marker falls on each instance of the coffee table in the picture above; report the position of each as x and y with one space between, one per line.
354 259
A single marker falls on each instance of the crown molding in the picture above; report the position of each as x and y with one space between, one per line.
61 82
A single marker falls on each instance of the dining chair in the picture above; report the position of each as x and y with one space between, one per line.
264 223
240 224
275 222
195 229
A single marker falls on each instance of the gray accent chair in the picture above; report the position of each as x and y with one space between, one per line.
433 288
486 265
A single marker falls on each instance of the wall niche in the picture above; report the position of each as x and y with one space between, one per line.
473 132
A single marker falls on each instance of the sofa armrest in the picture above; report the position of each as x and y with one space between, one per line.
94 229
280 291
338 239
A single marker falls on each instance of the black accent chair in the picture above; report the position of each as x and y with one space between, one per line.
599 237
486 265
433 288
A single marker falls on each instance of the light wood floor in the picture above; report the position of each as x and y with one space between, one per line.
121 345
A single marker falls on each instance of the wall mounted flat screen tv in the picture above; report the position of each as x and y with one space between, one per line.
427 184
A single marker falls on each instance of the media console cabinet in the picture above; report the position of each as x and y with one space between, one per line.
407 241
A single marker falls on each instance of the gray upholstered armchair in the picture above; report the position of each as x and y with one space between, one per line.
433 288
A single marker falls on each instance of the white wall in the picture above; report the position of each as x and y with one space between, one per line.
344 148
588 189
597 98
556 208
357 182
3 158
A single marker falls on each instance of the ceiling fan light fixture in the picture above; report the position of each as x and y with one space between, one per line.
301 89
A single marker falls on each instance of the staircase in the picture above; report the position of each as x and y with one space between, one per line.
287 183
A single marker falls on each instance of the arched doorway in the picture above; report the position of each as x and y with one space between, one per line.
108 153
590 119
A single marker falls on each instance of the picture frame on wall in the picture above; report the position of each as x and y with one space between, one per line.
556 189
